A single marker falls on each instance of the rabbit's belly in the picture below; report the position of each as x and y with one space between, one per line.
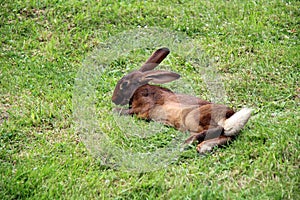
166 115
172 114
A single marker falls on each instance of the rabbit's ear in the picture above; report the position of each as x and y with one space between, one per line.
155 59
159 76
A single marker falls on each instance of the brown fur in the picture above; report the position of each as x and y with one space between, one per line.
184 112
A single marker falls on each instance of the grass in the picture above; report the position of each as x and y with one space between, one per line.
255 48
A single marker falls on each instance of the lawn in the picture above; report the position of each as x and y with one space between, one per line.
47 52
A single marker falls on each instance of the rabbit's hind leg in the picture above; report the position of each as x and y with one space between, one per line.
208 145
205 135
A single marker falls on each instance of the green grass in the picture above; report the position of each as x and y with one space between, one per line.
255 47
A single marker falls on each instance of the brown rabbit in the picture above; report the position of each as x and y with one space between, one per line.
210 124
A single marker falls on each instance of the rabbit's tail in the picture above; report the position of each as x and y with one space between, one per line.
236 122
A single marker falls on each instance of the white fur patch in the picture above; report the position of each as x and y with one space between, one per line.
236 122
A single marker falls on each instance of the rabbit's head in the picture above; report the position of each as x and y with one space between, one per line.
129 83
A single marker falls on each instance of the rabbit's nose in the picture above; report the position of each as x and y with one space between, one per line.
116 99
119 100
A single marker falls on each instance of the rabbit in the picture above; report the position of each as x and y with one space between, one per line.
210 124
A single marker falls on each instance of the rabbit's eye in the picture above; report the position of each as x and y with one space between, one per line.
124 84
